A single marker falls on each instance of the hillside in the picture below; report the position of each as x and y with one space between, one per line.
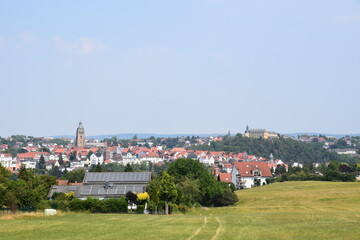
289 150
290 210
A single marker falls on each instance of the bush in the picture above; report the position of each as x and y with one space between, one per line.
140 208
226 199
43 205
173 208
182 208
77 205
115 205
94 205
348 178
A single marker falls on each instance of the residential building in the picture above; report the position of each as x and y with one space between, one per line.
247 174
106 185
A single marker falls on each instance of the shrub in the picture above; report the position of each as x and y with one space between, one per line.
182 208
43 205
348 177
115 205
173 208
77 205
226 199
140 208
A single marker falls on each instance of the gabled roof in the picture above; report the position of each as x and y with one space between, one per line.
225 177
178 150
246 169
93 177
32 154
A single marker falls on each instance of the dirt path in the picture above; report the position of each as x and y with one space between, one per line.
198 230
218 230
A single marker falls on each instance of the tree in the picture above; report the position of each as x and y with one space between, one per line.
186 168
89 155
75 176
98 168
189 192
42 164
72 156
55 171
4 181
167 190
153 189
128 168
61 160
44 149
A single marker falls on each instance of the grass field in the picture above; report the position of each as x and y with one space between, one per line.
290 210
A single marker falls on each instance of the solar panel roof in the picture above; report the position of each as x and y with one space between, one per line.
117 177
99 190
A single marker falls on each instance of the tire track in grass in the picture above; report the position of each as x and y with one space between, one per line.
218 230
198 230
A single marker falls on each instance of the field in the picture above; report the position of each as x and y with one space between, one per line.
290 210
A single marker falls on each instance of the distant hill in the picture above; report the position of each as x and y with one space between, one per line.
147 135
325 134
140 135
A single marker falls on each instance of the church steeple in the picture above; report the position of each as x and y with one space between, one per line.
80 136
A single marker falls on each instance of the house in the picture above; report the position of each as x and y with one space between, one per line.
348 151
224 177
106 185
227 167
247 174
30 159
6 160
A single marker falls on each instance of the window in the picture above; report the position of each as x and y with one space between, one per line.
257 173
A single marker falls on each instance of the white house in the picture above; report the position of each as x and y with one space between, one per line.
96 158
6 160
246 174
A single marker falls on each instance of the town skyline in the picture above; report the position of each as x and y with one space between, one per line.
129 135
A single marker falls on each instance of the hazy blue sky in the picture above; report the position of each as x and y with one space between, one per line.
179 66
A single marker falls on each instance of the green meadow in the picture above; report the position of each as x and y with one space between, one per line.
290 210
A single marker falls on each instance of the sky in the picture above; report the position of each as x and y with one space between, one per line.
197 66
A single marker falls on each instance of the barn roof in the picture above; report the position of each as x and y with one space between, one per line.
135 177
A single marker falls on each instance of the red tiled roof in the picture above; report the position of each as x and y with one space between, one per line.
228 165
178 150
60 150
93 149
225 177
5 154
245 168
32 154
76 184
62 182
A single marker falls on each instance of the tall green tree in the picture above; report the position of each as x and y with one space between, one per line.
61 160
42 163
154 191
167 190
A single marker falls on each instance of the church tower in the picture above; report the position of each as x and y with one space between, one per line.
80 136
